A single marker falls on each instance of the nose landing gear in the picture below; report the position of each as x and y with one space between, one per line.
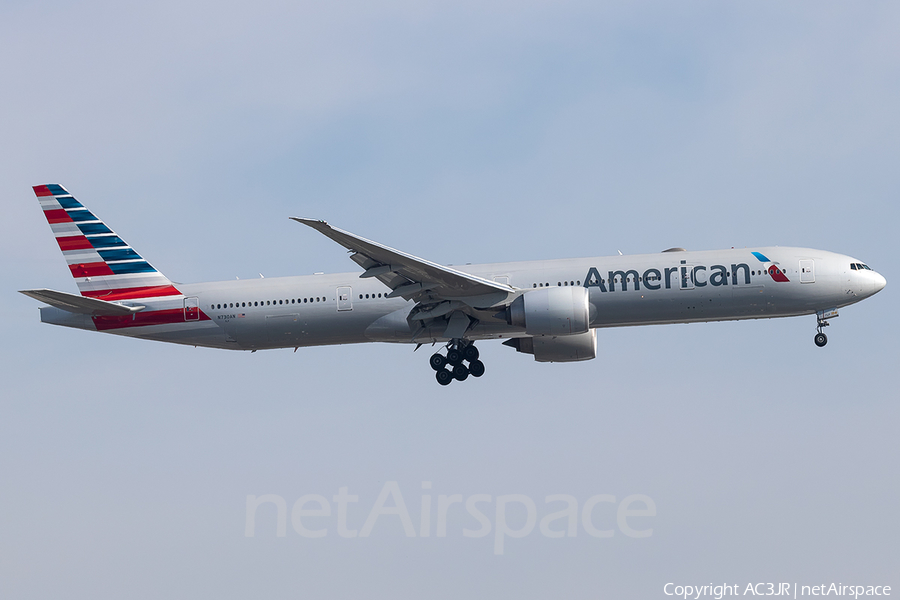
822 317
459 352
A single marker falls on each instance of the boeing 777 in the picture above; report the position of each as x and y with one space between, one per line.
546 308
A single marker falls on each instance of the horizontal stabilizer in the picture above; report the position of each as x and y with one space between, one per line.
80 304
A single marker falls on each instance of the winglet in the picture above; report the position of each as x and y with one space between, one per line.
310 222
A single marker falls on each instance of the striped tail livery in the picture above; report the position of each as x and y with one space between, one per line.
120 291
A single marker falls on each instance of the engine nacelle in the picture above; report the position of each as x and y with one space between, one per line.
551 311
563 348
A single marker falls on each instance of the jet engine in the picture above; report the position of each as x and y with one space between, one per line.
551 311
564 348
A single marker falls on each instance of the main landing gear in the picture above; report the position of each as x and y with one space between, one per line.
450 367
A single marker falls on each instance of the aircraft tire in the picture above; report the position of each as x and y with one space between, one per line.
437 361
476 368
454 357
821 339
460 372
444 377
470 353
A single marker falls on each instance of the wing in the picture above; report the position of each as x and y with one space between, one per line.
412 277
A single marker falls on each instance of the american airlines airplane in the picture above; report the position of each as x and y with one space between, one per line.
546 308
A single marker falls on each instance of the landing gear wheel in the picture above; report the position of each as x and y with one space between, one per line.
437 361
454 357
476 368
821 339
444 377
460 372
470 353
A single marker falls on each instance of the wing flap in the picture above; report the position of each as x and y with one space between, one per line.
80 304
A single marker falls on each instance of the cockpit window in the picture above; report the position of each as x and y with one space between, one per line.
866 267
859 267
853 266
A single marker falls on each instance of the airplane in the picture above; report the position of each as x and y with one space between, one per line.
546 308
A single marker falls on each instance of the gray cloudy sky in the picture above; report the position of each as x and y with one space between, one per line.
460 132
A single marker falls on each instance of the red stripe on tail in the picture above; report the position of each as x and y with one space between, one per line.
133 293
90 270
74 242
57 216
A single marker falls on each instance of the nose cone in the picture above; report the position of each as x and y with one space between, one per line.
878 283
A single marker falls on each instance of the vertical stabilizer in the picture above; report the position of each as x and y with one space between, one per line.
103 265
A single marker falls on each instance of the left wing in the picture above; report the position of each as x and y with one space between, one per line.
412 277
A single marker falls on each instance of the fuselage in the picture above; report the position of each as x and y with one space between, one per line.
666 287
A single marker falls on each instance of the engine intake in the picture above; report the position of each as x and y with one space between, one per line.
551 311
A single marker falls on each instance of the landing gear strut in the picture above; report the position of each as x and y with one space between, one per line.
821 323
459 352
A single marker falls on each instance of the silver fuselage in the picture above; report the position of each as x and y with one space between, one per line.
668 287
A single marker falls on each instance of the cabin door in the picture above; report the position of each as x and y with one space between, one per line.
345 298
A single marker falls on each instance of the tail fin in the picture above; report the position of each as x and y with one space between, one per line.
103 265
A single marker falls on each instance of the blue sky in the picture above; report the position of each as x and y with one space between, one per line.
459 132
